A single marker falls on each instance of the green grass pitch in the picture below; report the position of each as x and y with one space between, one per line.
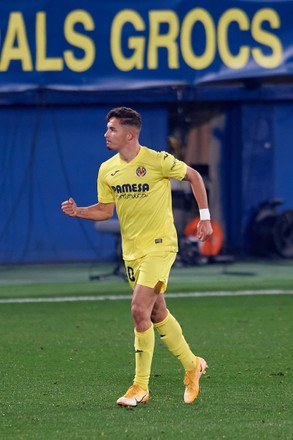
63 365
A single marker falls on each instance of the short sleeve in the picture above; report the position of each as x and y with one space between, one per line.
172 167
105 192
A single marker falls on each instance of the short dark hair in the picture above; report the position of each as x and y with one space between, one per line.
127 116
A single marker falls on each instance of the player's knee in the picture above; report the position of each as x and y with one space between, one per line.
136 312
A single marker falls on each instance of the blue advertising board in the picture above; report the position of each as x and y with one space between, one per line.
129 45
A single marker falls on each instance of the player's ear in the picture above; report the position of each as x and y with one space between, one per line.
130 136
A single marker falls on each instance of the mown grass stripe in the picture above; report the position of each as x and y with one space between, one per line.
128 297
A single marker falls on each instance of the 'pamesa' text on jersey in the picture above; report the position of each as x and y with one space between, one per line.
131 190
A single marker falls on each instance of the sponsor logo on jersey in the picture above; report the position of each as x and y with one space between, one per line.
131 187
140 171
115 172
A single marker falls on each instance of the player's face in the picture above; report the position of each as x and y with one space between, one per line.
116 135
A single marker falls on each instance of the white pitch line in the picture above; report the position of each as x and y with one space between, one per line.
128 297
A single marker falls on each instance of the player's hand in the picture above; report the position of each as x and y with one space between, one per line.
69 207
204 230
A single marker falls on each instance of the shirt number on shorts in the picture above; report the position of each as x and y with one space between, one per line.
130 273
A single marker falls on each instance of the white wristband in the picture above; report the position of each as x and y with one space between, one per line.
204 214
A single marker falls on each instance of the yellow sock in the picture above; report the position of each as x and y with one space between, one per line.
144 344
171 334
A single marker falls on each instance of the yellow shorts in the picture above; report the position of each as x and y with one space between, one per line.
150 269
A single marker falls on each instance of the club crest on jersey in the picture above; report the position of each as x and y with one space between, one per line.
140 171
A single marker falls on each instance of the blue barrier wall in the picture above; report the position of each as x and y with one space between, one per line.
255 163
46 156
284 154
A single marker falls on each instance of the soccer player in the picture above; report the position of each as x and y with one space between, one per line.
136 181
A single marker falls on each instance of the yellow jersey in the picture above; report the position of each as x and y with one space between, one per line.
141 191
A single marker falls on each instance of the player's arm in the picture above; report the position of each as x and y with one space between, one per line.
204 227
97 212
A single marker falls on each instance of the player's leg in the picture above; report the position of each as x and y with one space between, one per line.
171 334
144 341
